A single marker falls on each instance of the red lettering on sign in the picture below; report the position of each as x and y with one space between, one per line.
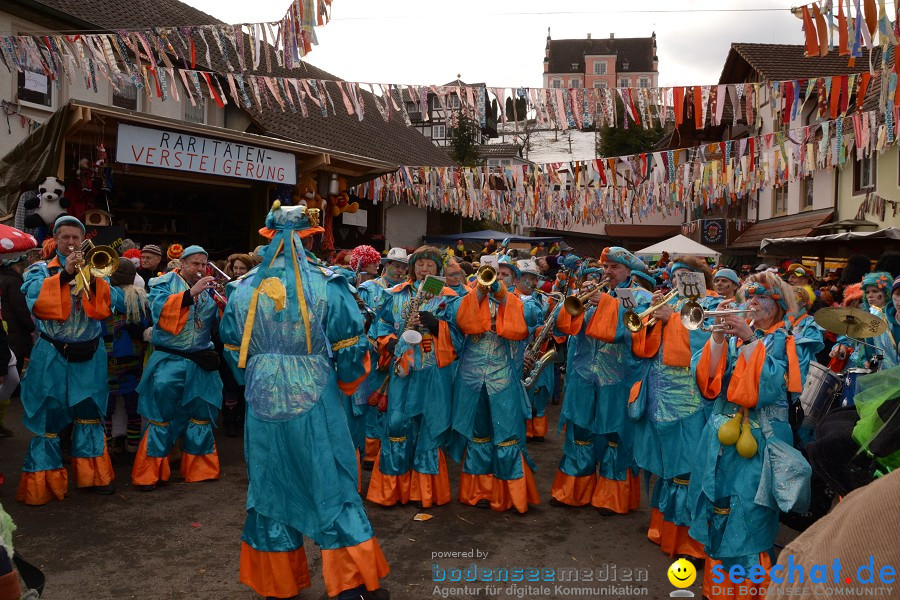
249 170
150 152
202 166
164 157
178 158
137 155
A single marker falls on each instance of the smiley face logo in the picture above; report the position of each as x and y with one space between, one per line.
682 573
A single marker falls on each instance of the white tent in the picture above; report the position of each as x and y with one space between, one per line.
678 245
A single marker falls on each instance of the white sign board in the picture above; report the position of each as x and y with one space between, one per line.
36 82
197 154
690 284
626 295
360 218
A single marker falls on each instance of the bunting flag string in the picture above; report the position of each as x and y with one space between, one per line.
289 39
140 58
563 195
820 23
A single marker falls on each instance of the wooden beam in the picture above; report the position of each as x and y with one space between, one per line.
308 166
79 117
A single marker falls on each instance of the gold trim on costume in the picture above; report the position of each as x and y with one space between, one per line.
158 423
481 440
397 440
50 436
681 481
198 421
613 444
722 511
87 421
345 343
584 442
232 347
508 443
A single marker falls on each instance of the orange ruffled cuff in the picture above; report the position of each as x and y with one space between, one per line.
350 567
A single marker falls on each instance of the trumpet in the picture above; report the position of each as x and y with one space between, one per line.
221 279
574 305
692 316
99 261
634 322
485 277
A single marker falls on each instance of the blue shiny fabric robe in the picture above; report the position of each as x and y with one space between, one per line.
301 463
599 377
418 415
174 389
374 293
665 437
55 391
490 404
722 480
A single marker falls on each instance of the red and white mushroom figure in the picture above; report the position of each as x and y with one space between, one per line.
14 243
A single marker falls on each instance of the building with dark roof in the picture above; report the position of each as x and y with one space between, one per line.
437 122
601 63
158 203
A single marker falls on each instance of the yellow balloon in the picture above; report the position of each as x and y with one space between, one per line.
682 573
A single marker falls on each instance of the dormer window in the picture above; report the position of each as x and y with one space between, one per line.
574 66
625 64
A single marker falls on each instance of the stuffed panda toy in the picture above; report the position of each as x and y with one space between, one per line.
49 205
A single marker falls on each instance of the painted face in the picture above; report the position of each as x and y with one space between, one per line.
527 283
454 274
68 239
395 270
507 276
767 310
239 268
724 287
193 267
425 267
875 296
617 272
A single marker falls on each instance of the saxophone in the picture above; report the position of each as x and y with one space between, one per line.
534 348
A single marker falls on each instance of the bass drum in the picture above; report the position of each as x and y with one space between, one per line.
818 393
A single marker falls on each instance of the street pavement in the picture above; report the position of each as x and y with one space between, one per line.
182 541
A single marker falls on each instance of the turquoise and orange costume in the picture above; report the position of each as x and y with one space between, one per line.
597 466
489 401
724 494
56 391
299 337
411 465
176 395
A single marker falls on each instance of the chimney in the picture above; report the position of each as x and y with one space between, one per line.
589 36
612 36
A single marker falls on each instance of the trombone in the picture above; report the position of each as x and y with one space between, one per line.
99 261
693 316
634 322
574 305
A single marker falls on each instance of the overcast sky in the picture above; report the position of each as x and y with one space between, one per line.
502 42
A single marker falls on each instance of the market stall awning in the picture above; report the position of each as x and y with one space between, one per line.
678 245
642 232
802 224
833 245
488 234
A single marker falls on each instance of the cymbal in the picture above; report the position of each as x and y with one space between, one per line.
852 322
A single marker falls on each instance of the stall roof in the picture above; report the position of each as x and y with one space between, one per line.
38 155
678 245
488 234
833 245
